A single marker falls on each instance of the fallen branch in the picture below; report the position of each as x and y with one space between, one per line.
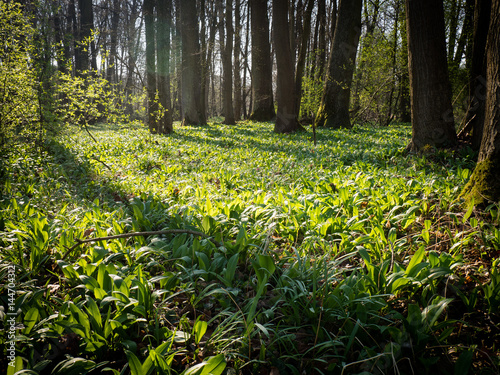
139 234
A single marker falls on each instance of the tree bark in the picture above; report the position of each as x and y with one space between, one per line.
262 91
484 185
164 21
237 60
192 107
286 118
477 77
227 66
148 10
334 108
83 46
431 109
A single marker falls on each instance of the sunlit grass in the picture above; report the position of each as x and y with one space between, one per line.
321 255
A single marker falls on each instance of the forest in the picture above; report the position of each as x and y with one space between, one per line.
272 187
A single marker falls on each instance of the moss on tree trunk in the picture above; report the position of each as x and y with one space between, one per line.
484 185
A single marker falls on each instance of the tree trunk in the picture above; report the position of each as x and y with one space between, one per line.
148 11
334 108
164 21
321 60
115 19
477 76
484 185
192 107
262 90
83 45
404 80
286 118
237 61
305 31
227 67
431 110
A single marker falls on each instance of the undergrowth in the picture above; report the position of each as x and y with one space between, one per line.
345 258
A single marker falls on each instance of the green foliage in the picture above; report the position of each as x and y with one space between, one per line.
344 257
19 107
375 79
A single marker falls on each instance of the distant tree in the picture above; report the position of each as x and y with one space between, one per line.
303 36
163 44
262 89
192 106
287 116
334 108
237 60
149 20
431 109
484 185
86 44
226 54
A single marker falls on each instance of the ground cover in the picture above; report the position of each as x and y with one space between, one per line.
345 257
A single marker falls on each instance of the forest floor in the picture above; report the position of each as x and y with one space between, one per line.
274 256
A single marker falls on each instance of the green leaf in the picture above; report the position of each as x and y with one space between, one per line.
17 366
469 212
30 319
200 327
231 269
134 363
213 366
415 260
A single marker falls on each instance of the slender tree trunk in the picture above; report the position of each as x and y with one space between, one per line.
245 68
301 61
431 110
404 81
454 11
286 118
192 107
148 11
464 44
237 60
477 77
227 54
484 185
321 60
163 40
262 91
210 56
334 108
115 19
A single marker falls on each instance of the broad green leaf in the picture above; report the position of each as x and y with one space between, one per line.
30 319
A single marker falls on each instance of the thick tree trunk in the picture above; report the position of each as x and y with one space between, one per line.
164 21
334 108
192 107
262 90
286 118
148 11
484 185
431 110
